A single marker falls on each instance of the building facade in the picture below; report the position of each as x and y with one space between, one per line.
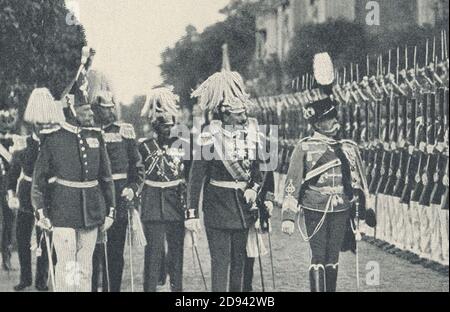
278 20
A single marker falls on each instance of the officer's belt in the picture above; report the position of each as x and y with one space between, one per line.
119 176
76 184
163 184
236 185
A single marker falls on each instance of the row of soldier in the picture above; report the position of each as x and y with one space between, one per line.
400 122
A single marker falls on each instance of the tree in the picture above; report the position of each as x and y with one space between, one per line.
196 56
38 48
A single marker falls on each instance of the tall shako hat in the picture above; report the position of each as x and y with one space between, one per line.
221 92
325 107
162 106
100 90
42 108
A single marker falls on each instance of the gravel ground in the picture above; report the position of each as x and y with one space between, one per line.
291 261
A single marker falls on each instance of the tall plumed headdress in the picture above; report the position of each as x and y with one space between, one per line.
161 104
222 91
324 107
100 90
42 108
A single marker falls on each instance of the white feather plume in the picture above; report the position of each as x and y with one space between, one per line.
323 69
42 108
167 100
225 86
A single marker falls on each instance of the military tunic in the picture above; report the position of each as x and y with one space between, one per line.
73 167
163 201
20 178
323 178
127 172
224 176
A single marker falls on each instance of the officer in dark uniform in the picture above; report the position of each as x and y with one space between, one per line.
324 180
73 171
225 165
164 192
8 119
44 114
128 175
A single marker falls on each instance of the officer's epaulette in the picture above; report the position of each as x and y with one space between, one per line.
127 131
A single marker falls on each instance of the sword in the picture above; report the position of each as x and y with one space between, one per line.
271 257
105 249
357 238
130 252
194 246
50 259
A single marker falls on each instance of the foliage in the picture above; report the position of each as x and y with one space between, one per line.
38 48
198 55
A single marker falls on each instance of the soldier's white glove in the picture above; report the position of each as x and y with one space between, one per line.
250 196
43 222
288 227
269 207
107 225
193 225
13 201
128 193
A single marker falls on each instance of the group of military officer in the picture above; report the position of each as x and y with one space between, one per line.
82 174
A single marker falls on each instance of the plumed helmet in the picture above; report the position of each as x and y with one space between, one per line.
42 108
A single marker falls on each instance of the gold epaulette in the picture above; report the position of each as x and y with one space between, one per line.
127 131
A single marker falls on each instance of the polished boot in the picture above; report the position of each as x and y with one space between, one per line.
317 278
331 273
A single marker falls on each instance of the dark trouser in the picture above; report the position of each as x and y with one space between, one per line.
228 255
24 229
115 248
157 233
7 231
248 275
325 247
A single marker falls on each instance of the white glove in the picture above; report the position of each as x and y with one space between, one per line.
107 225
250 196
288 227
43 222
13 201
193 225
269 207
128 193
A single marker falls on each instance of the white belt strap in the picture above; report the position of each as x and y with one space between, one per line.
161 184
119 176
236 185
76 184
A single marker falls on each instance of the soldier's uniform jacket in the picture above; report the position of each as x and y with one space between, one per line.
21 172
322 177
126 162
225 181
163 194
73 167
6 143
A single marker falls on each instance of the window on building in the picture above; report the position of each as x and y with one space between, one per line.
261 39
